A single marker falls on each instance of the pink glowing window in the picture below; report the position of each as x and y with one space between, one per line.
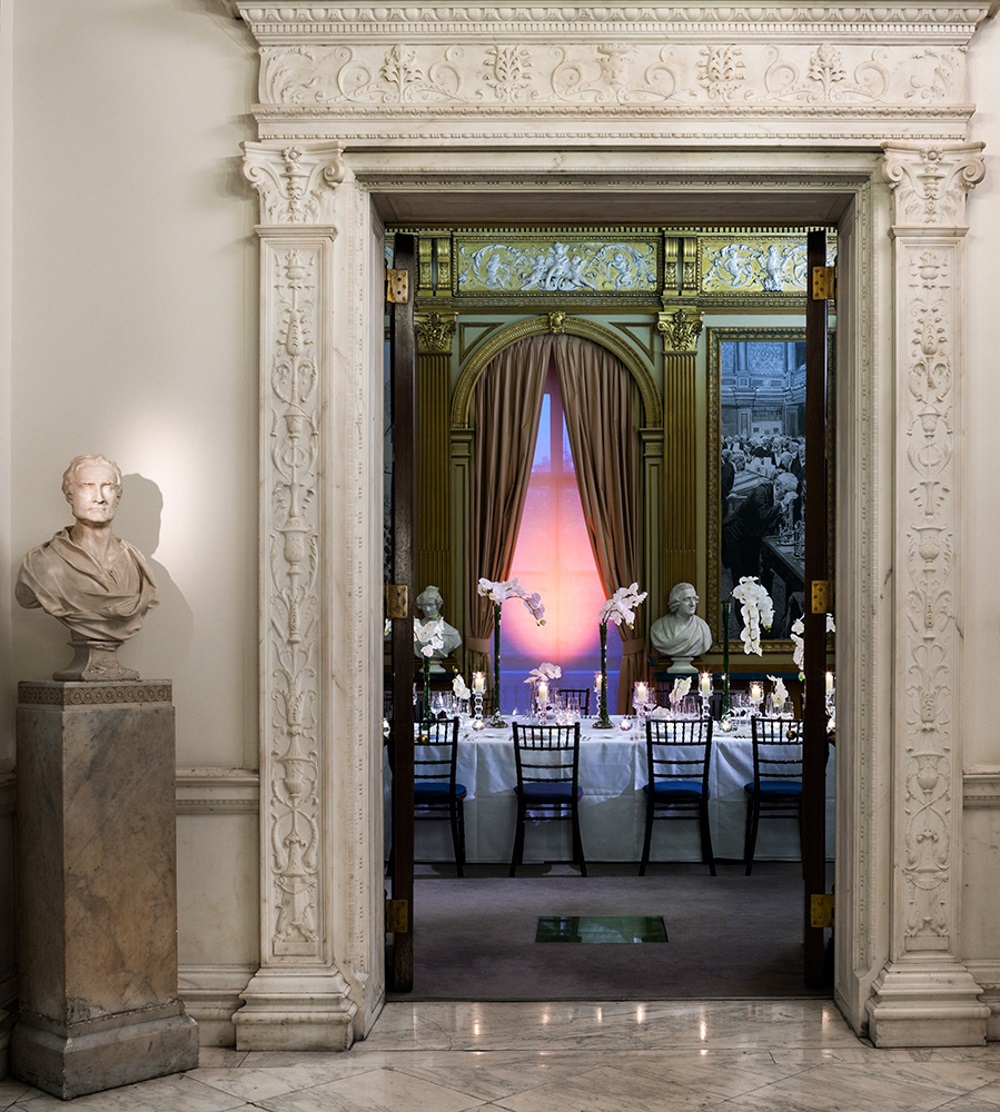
553 556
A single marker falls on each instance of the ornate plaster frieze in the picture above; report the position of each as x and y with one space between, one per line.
812 72
294 183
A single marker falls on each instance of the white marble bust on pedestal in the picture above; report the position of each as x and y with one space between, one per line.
681 634
96 584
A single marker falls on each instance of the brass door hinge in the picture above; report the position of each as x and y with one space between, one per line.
397 600
397 286
824 283
821 909
397 916
822 596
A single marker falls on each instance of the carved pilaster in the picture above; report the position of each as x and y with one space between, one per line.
435 332
680 330
925 995
298 997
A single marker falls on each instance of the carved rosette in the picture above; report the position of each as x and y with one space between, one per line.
930 189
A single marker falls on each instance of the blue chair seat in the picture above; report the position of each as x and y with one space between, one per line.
549 793
786 789
688 790
436 791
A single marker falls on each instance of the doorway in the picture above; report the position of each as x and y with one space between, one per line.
794 912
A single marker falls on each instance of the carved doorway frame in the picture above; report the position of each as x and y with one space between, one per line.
365 112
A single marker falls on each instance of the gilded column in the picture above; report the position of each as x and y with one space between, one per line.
680 329
435 332
925 996
298 997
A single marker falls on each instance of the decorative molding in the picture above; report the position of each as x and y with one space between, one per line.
83 694
213 791
294 183
981 787
931 183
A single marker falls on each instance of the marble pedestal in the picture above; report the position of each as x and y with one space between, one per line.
97 862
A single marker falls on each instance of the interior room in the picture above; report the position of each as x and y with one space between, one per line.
206 208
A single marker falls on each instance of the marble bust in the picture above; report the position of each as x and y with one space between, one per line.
429 603
96 584
680 633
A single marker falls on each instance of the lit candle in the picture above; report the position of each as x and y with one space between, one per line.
543 693
706 683
598 680
829 683
756 693
479 682
641 692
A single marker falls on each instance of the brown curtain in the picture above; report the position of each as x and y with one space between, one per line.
506 404
599 404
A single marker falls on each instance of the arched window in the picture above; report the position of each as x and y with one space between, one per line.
553 556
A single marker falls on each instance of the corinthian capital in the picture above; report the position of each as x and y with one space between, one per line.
930 183
680 329
435 332
295 182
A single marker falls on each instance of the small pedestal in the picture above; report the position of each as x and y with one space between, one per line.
97 864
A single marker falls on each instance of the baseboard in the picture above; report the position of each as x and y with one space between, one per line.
211 994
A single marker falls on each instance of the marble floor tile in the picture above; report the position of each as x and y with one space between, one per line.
668 1056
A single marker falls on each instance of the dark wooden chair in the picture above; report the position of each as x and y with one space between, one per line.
678 758
547 761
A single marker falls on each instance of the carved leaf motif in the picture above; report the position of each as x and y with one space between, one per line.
721 71
508 72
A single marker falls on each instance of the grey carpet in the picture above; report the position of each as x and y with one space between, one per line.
729 935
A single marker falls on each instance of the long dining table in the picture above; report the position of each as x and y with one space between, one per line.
612 813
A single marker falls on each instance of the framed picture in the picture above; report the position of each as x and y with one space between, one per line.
756 473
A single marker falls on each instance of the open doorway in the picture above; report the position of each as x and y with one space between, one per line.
731 904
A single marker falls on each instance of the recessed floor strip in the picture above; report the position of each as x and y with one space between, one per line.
601 928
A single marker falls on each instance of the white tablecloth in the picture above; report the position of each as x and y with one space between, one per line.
612 814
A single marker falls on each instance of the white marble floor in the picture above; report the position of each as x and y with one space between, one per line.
777 1056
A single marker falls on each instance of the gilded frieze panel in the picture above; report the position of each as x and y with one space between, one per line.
561 265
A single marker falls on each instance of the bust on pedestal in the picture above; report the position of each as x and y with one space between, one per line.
96 822
429 603
680 634
97 585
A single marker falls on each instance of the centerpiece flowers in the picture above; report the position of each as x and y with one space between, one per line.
619 610
498 593
429 636
539 678
757 611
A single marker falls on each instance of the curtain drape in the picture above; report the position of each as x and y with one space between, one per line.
599 404
506 404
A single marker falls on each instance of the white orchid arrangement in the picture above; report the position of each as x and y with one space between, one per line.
460 689
620 608
799 652
429 635
498 593
779 693
544 672
680 690
756 609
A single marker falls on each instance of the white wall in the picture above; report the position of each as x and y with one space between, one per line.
134 335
